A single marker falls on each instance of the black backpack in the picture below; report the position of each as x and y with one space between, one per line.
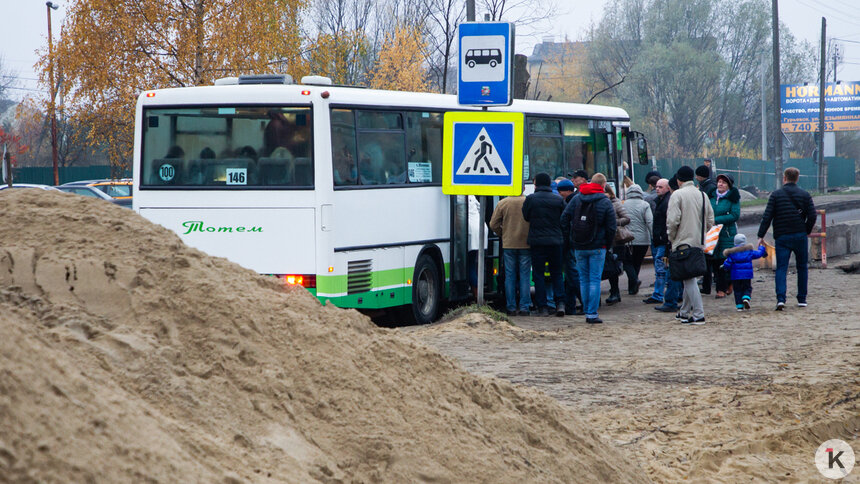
584 226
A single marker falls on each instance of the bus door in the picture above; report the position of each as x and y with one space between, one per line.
458 265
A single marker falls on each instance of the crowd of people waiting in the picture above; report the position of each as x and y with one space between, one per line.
570 234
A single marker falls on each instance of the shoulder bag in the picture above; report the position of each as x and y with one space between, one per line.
687 262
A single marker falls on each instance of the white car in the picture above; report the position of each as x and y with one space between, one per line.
26 185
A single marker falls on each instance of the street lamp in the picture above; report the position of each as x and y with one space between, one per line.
51 107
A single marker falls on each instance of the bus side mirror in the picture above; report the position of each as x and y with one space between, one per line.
641 148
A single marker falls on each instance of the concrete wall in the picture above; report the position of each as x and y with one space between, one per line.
842 239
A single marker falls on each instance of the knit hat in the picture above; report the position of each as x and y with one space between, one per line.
703 171
543 180
740 239
685 174
673 182
578 174
728 178
652 174
565 185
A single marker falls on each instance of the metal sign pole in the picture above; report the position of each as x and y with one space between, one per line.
482 201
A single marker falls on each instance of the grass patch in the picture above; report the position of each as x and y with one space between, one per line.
474 308
754 203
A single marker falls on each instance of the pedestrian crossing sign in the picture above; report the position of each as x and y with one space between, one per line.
483 153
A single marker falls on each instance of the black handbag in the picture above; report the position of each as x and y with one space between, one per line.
687 262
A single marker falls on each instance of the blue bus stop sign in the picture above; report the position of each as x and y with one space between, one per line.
486 69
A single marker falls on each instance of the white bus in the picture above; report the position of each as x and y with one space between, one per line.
338 188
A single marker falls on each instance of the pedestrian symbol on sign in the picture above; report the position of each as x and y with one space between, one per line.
482 158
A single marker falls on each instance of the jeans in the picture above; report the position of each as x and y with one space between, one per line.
571 279
658 252
785 245
541 254
518 264
589 264
673 293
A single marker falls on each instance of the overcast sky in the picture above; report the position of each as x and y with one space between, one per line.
24 30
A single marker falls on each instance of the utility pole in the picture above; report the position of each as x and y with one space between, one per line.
51 105
470 10
763 111
777 108
822 168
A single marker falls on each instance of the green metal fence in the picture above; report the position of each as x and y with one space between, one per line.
840 171
45 174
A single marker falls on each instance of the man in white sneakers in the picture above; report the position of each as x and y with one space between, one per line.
684 226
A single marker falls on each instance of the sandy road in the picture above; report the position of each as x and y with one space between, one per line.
748 395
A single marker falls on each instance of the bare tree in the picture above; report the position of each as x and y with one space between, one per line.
443 17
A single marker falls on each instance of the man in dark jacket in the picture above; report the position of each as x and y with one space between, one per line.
542 210
703 177
651 178
591 203
793 215
706 185
659 241
567 190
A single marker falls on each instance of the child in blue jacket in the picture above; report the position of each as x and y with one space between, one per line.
739 260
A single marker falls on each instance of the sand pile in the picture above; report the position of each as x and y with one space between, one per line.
476 323
127 356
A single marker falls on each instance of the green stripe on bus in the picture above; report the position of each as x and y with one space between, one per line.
376 297
396 296
327 284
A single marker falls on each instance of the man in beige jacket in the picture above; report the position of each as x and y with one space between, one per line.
684 226
509 224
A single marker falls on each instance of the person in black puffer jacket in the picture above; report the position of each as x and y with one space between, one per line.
591 247
542 210
793 215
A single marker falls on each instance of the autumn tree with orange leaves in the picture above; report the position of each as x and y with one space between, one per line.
109 52
401 62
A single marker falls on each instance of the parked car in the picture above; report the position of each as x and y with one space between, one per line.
27 185
114 191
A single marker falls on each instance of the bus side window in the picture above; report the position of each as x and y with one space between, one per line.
381 148
343 157
424 146
545 148
578 146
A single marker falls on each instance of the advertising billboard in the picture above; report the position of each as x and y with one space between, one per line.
799 107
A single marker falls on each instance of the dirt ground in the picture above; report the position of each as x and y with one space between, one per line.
746 397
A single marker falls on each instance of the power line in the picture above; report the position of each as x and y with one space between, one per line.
26 89
838 14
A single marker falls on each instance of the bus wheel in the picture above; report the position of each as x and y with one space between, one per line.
426 290
471 63
492 63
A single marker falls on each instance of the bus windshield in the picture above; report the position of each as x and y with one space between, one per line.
227 146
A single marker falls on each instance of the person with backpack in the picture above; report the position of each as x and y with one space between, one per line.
793 215
589 219
542 210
